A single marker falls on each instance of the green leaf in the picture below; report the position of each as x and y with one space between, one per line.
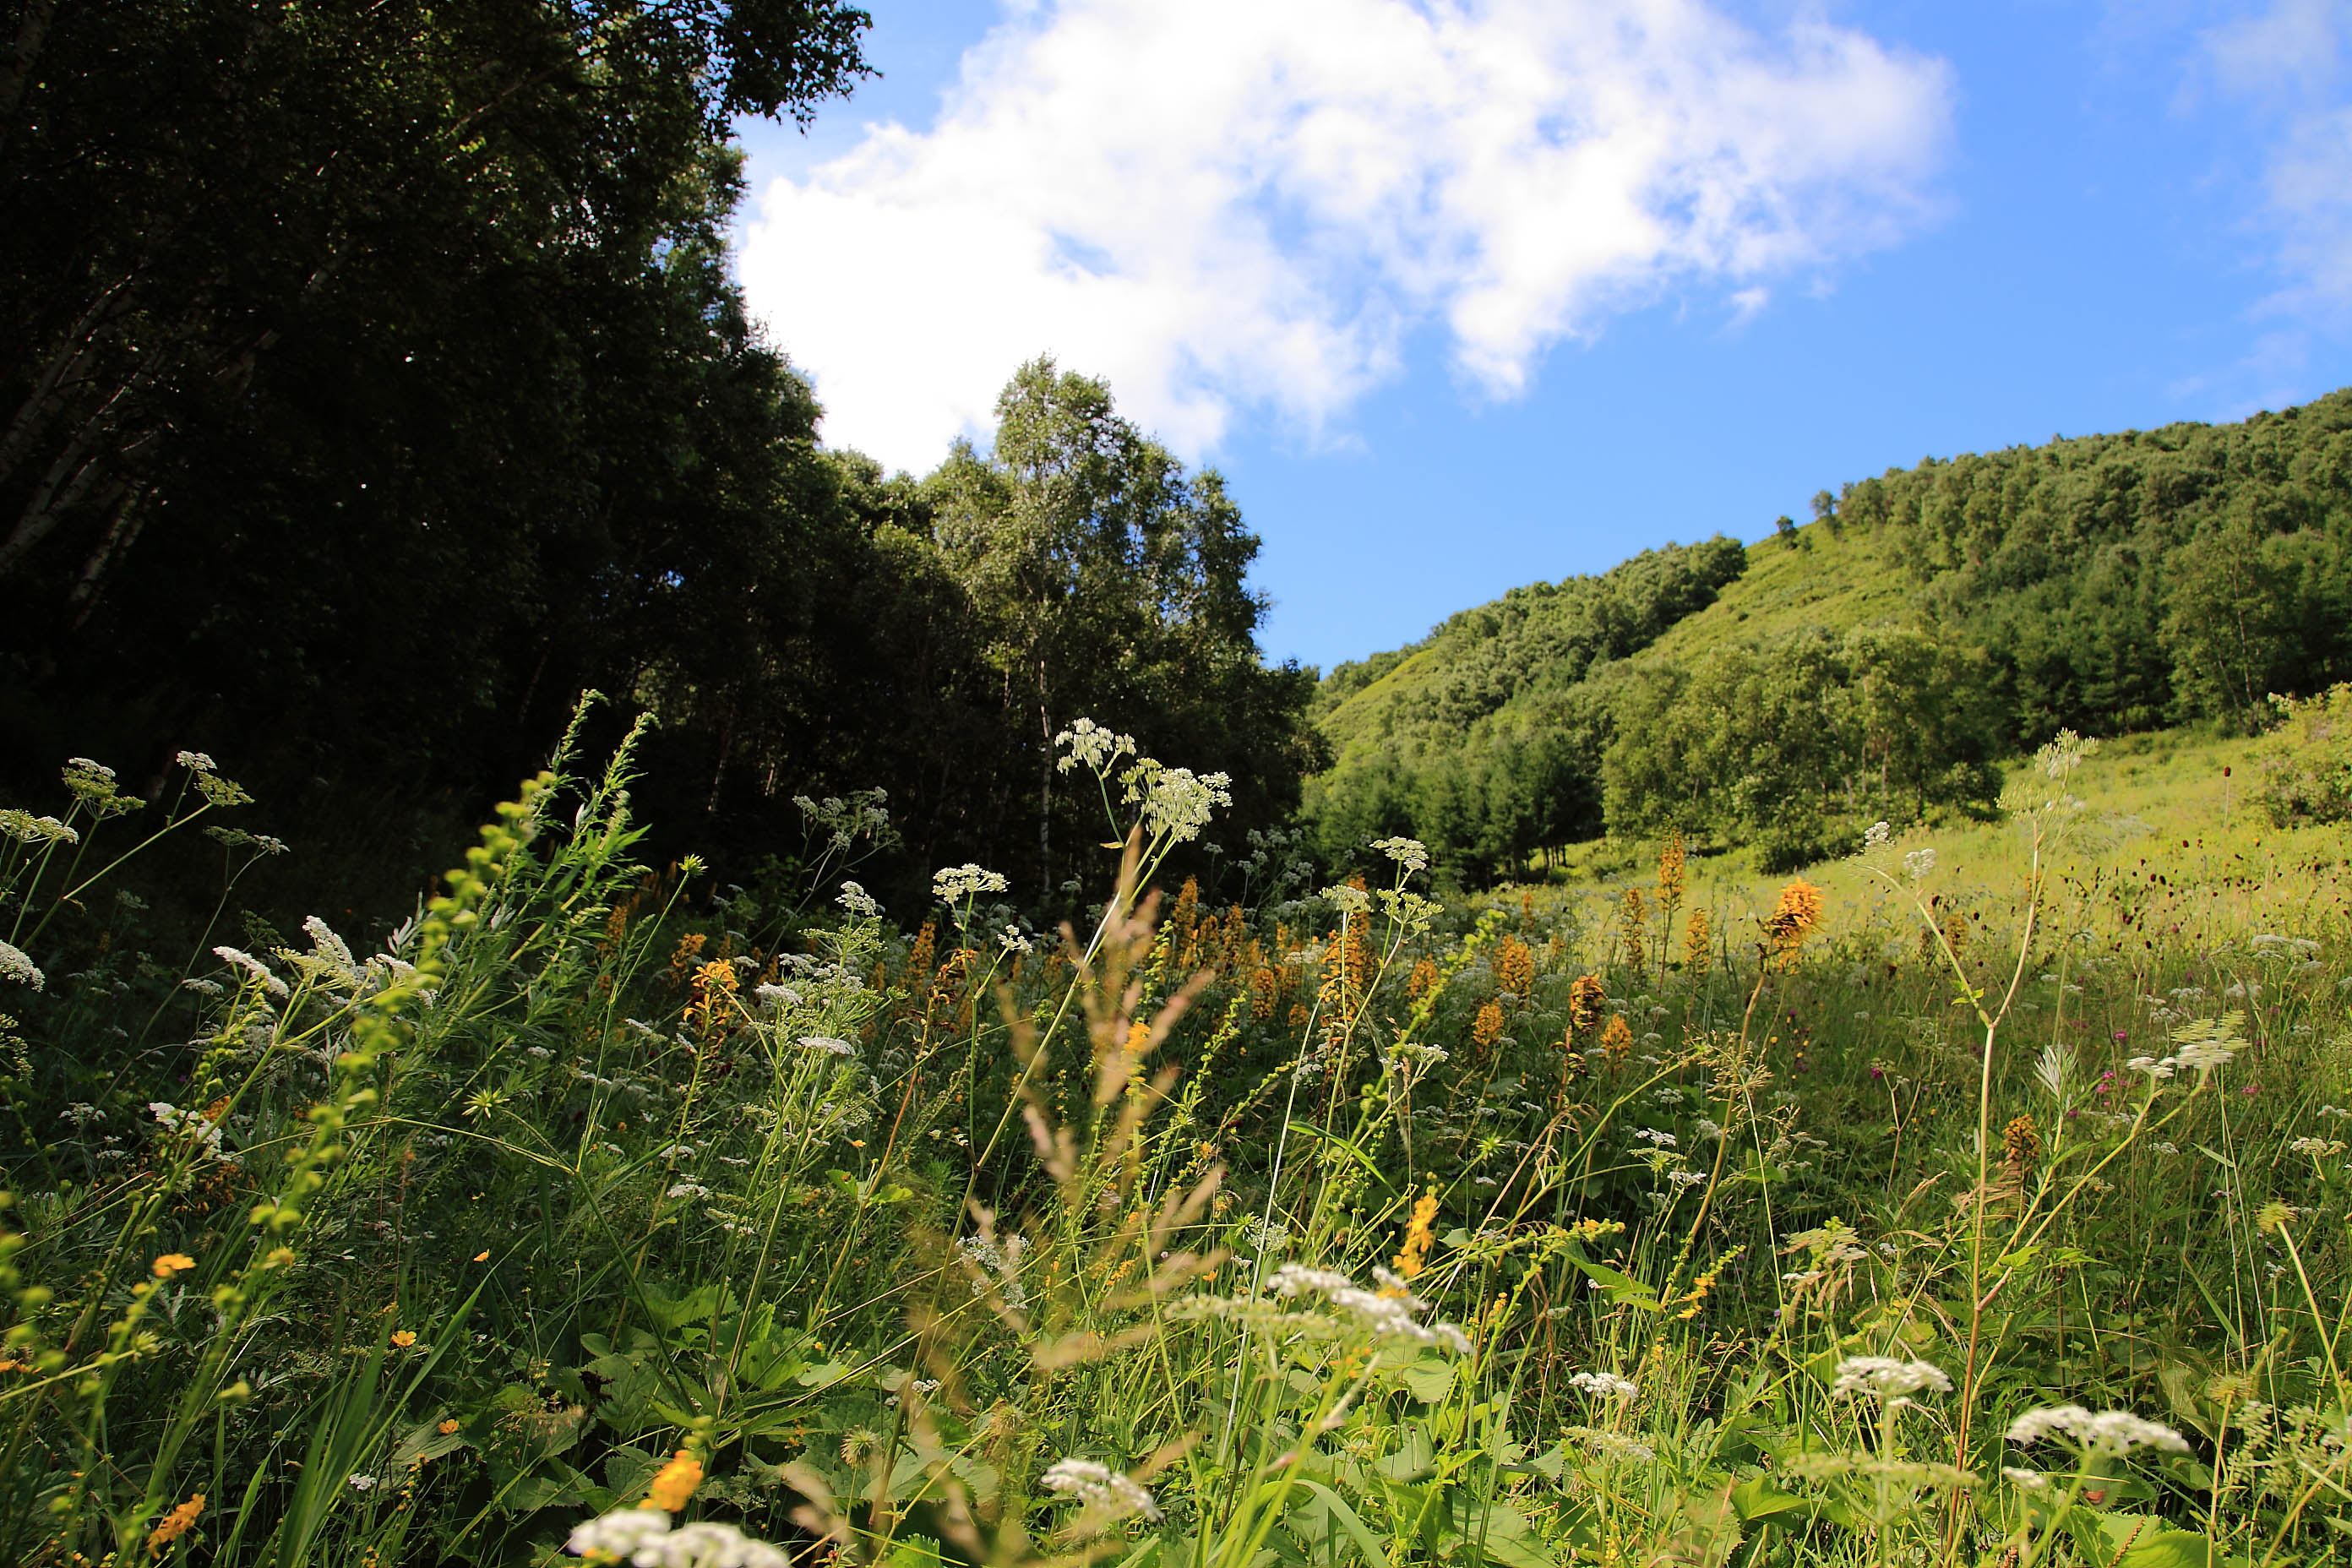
1357 1532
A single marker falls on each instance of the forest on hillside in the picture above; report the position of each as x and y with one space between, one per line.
384 385
1952 616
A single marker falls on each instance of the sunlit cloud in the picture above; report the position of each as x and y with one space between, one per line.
2289 63
1241 210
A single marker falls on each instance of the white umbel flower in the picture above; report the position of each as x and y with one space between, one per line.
15 966
1604 1385
1883 1377
1109 1494
2107 1432
1387 1313
643 1536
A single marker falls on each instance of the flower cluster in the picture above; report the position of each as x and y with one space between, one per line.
253 966
1107 1493
1177 803
859 901
195 1123
1604 1385
2204 1044
644 1536
1387 1313
2107 1431
1094 746
842 821
26 828
955 884
1409 853
14 965
1883 1377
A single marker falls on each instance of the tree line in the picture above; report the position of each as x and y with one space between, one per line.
377 383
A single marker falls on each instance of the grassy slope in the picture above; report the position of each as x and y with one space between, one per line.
2157 806
1832 580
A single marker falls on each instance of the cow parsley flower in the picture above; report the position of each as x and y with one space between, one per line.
644 1536
1604 1385
1387 1313
1177 803
26 828
1092 746
1875 835
2107 1431
195 761
1104 1492
1883 1377
955 884
859 901
1409 853
1919 863
15 966
253 966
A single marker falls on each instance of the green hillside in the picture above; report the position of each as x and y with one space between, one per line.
1881 661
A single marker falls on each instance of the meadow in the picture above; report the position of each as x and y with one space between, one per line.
1977 1198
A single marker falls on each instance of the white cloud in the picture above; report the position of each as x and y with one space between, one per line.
2289 62
1243 207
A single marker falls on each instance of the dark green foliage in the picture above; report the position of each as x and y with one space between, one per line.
379 383
1797 746
1484 740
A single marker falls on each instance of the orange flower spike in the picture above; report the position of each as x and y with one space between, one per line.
1414 1257
1797 916
174 1524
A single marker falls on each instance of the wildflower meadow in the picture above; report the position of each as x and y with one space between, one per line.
1974 1198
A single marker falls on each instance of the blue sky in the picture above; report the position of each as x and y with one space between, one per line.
1463 296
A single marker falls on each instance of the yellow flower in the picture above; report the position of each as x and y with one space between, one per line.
172 1263
403 1340
676 1483
1415 1256
447 1426
1617 1037
482 1256
1487 1027
1796 917
1586 998
174 1524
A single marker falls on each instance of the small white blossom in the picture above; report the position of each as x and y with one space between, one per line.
859 901
1919 863
1177 803
1409 853
1011 940
1875 835
26 828
1348 900
827 1043
1387 1313
196 762
361 1483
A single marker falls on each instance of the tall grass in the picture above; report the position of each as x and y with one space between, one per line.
1337 1228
